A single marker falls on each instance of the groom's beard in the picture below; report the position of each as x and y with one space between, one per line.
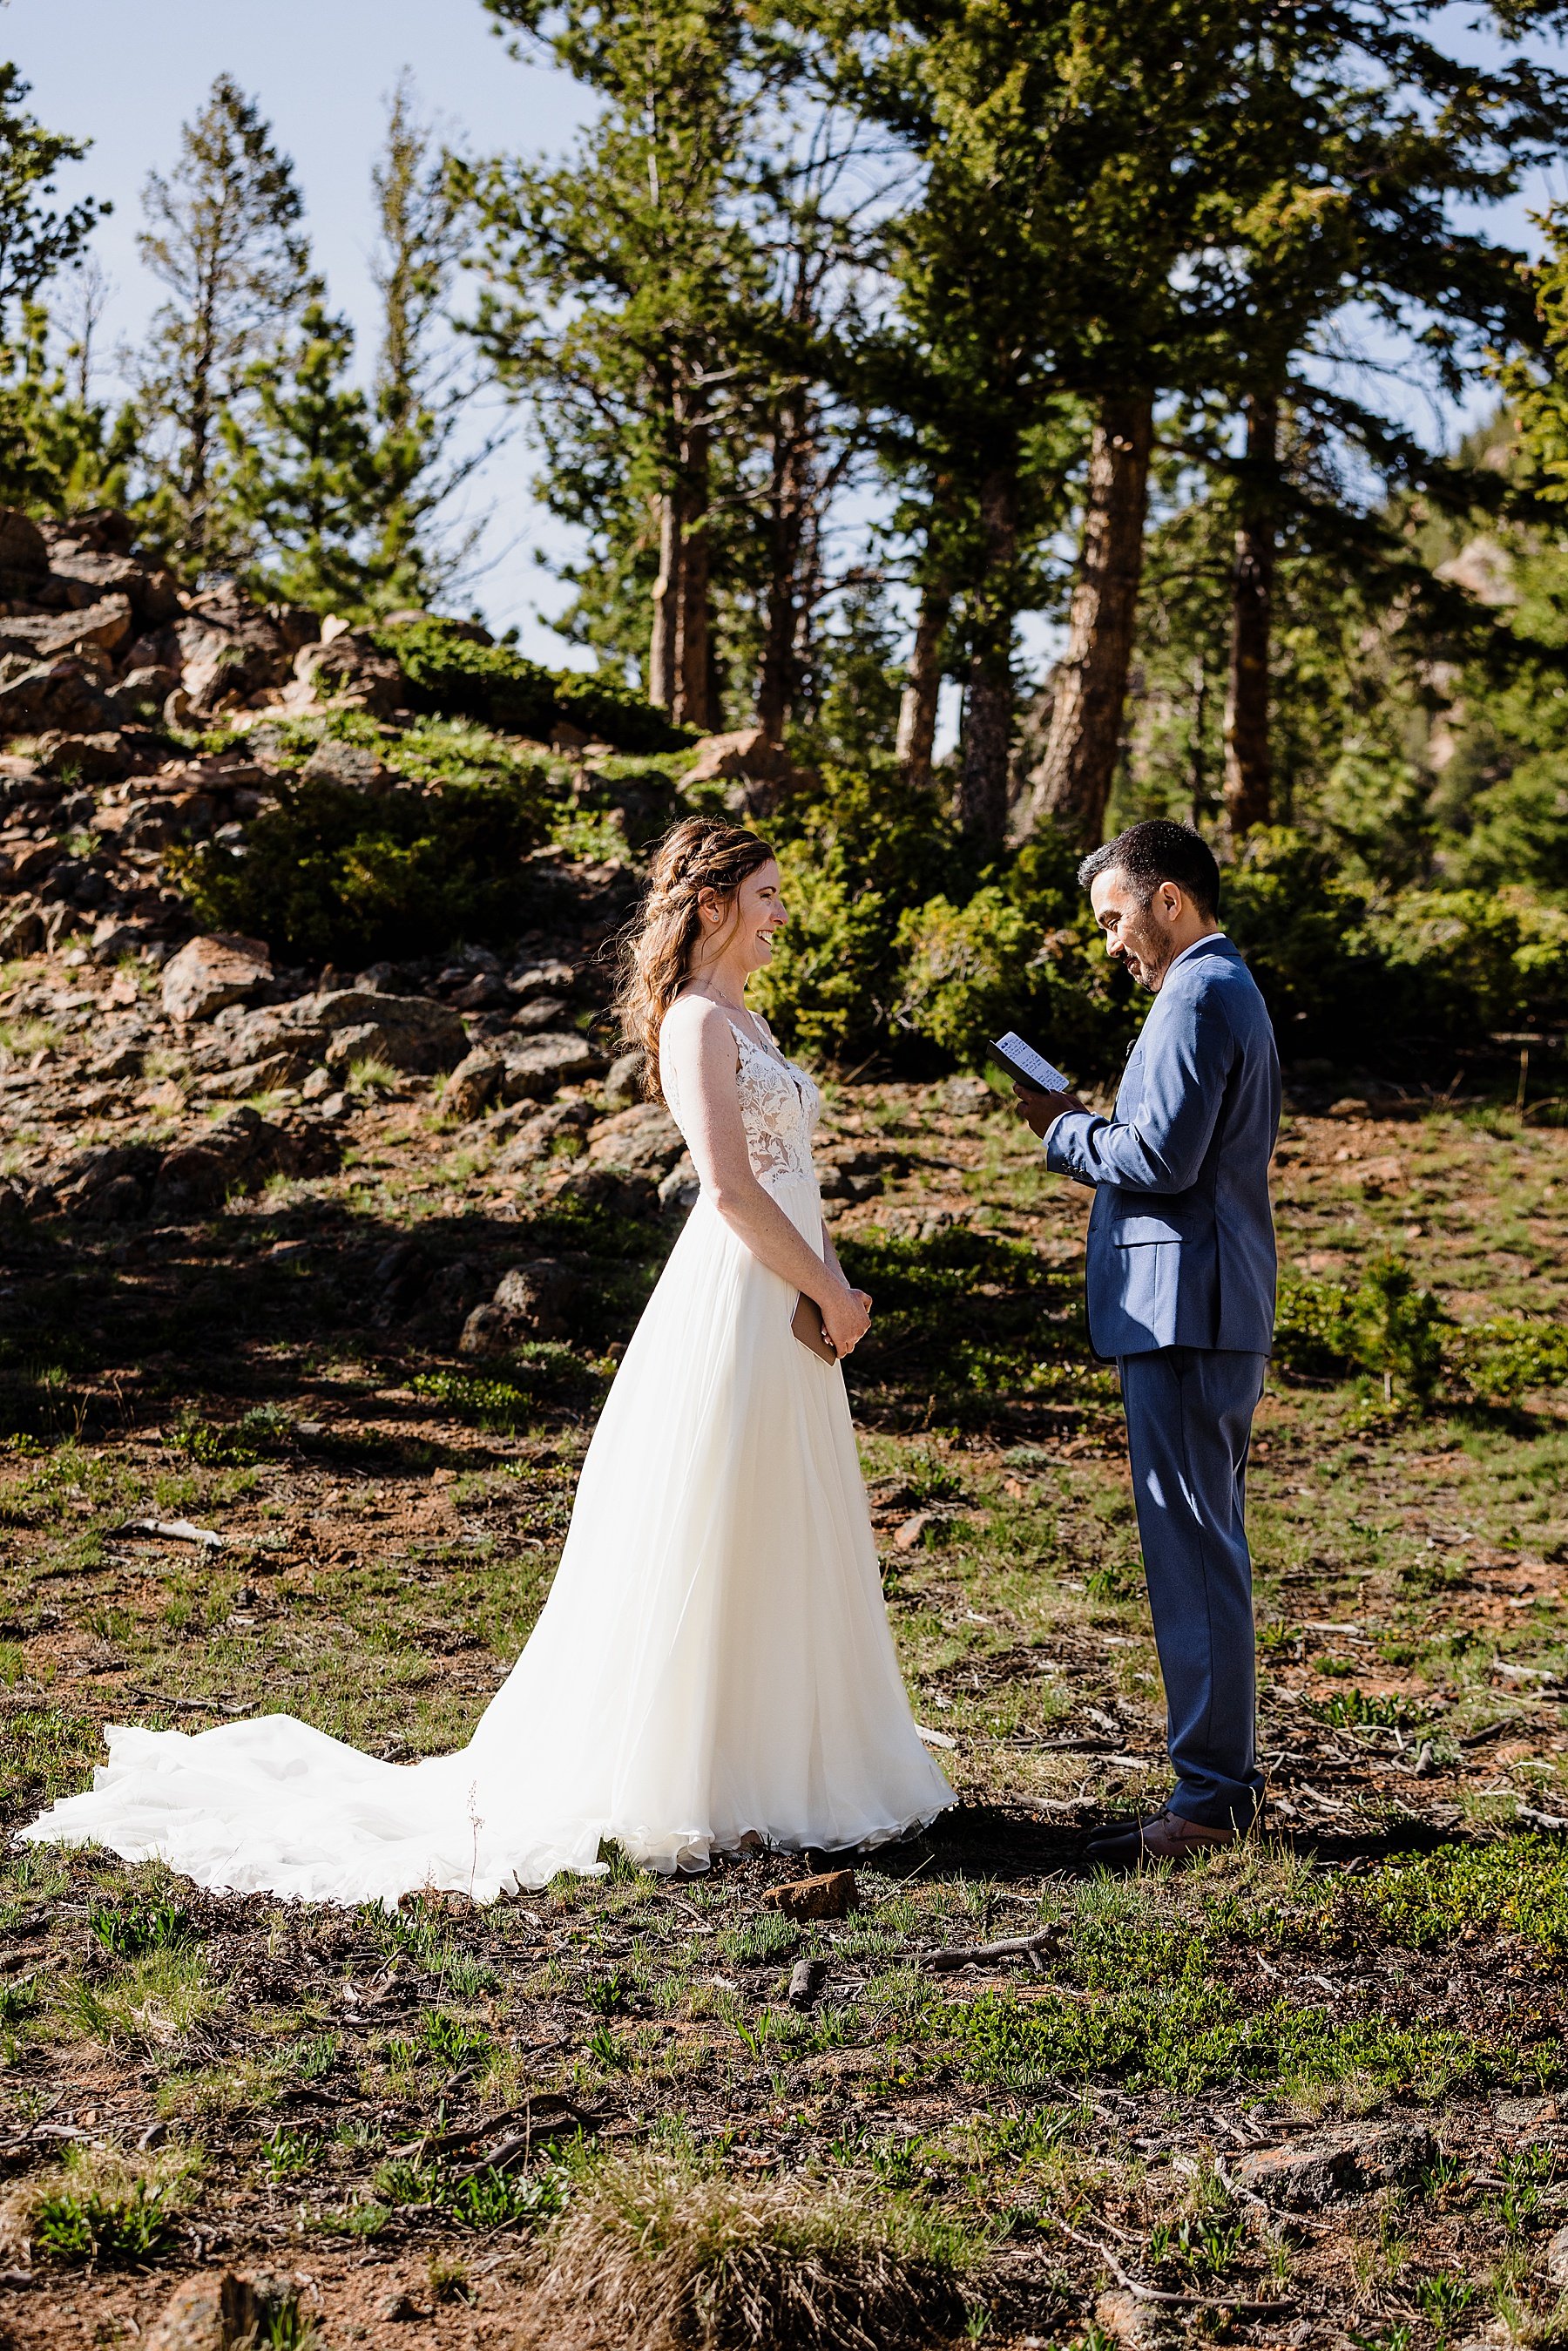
1150 949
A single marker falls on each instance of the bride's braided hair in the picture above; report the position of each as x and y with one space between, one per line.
702 852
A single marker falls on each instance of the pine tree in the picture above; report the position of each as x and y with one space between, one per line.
616 285
54 449
422 392
303 479
223 238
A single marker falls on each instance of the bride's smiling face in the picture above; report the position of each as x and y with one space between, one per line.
741 929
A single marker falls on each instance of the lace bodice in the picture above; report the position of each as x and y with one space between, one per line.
779 1106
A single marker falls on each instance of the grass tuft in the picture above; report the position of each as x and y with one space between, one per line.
651 2250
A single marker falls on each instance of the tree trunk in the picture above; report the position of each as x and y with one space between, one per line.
778 685
666 601
1249 770
1073 780
692 703
981 808
922 688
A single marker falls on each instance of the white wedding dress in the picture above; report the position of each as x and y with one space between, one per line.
714 1661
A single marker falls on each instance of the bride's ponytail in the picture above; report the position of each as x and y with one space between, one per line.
702 853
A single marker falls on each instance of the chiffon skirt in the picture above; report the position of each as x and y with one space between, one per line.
714 1661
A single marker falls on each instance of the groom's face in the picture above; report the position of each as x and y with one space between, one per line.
1138 931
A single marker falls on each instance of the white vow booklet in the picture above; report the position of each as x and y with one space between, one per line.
1031 1068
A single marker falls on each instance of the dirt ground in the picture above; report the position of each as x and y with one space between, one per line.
249 1468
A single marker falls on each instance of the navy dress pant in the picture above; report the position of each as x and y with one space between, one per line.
1189 1420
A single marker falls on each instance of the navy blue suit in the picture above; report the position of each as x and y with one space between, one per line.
1181 1271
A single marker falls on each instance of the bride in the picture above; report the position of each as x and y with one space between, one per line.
713 1664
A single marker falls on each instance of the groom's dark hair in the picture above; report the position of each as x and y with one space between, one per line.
1156 851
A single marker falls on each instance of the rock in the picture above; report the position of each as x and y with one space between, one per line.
347 763
541 1012
395 2307
113 939
108 1184
24 556
21 933
1557 2259
968 1097
347 669
230 648
616 1190
453 1294
535 979
677 1194
806 1979
222 2312
1139 2325
624 1084
262 1077
90 573
474 1085
759 773
237 1153
62 922
833 1894
531 1301
1311 2173
411 1032
64 695
645 1139
483 993
211 972
546 1063
144 691
536 1140
320 1082
106 624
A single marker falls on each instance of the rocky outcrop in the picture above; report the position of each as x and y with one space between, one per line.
531 1301
760 774
554 1059
347 667
209 974
223 2311
1310 2174
645 1139
238 1153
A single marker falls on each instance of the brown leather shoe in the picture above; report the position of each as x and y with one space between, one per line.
1167 1837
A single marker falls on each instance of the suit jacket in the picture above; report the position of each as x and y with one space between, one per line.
1181 1237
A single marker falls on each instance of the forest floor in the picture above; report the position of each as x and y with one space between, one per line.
1313 2091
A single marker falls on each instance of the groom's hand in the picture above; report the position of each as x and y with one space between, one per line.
1040 1110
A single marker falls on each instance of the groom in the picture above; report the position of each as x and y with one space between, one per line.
1182 1293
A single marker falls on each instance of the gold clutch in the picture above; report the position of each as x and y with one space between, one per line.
806 1324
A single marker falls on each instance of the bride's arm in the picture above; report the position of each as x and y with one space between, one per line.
700 1045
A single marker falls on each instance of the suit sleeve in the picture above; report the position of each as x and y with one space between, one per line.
1160 1147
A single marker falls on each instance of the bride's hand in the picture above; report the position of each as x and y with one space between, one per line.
847 1318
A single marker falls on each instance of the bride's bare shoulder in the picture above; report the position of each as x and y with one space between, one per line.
696 1025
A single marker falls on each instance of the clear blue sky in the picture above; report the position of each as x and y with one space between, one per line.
127 73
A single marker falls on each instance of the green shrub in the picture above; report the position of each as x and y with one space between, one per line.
354 875
1386 1326
856 855
1513 1886
1395 1329
1348 972
1506 1357
450 673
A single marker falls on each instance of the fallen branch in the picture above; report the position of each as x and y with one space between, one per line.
420 2150
1541 1820
1014 1947
175 1531
1176 2301
185 1705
